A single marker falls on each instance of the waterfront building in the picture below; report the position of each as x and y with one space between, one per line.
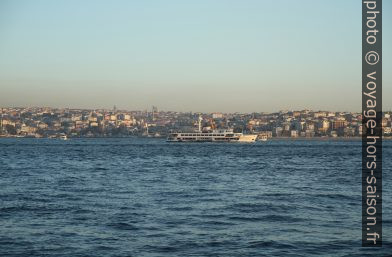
278 131
324 126
309 133
294 133
309 126
337 124
384 122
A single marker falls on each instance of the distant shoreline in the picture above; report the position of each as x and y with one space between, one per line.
269 139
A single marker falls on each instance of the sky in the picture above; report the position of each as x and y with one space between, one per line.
195 55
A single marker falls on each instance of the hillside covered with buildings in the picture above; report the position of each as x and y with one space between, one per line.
54 122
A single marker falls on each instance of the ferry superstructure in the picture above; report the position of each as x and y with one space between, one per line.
215 136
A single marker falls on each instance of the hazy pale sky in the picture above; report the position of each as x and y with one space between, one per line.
196 55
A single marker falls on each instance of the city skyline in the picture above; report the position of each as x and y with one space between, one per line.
63 123
223 56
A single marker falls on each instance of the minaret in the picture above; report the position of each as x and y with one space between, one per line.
200 120
154 112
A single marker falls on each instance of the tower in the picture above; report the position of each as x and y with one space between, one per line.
154 112
200 120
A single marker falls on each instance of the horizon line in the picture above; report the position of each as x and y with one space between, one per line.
162 110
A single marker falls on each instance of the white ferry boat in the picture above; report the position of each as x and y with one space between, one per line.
214 136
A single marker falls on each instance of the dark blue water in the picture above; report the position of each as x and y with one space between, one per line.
146 197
